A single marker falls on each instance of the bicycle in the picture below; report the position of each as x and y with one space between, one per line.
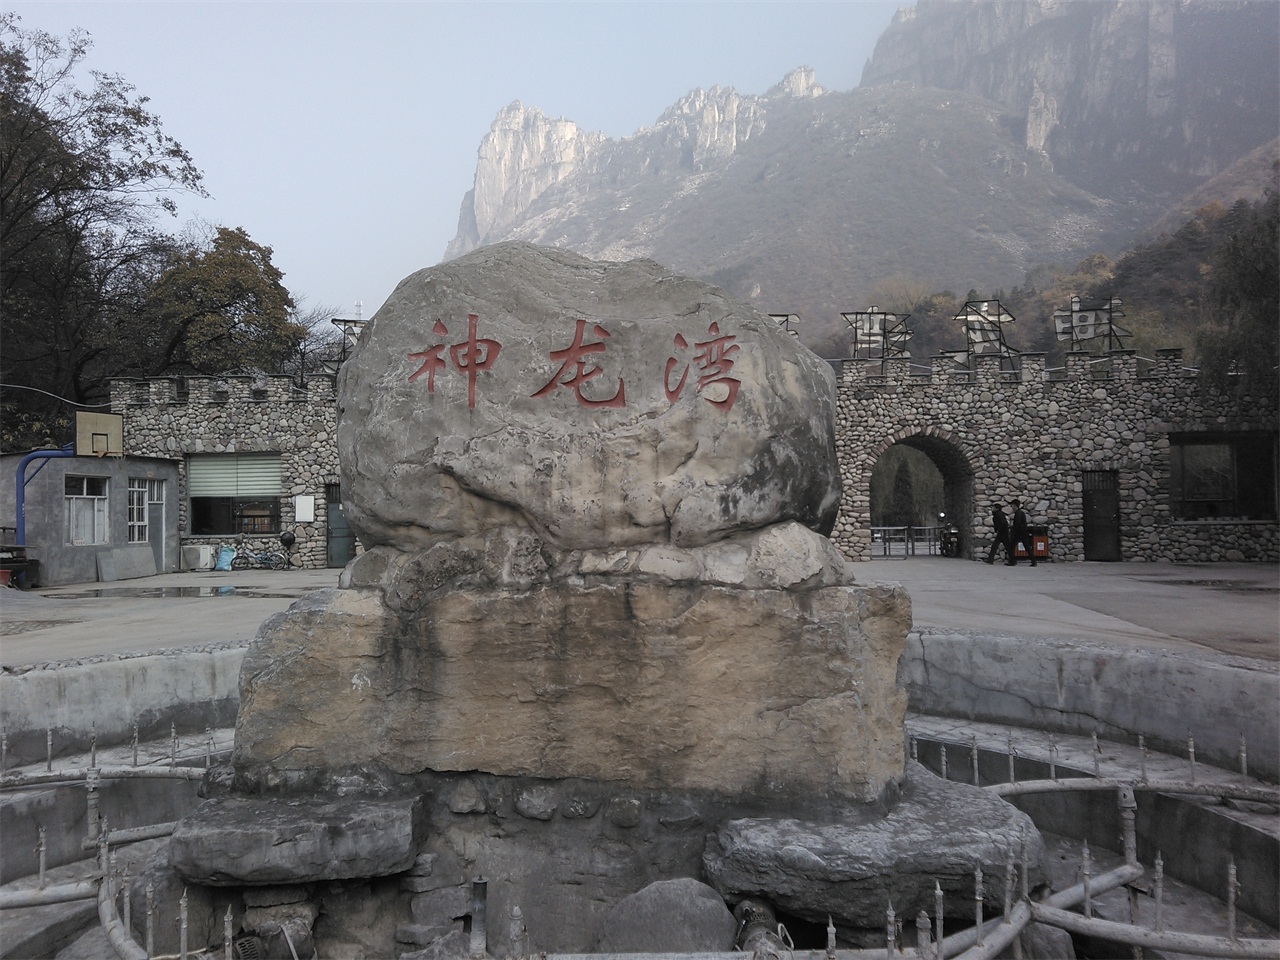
246 559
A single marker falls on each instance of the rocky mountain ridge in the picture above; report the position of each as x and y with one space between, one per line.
1169 91
526 153
987 138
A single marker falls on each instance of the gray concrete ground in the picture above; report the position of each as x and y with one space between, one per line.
1230 608
1226 608
170 611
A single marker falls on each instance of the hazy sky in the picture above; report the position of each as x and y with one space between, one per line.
344 135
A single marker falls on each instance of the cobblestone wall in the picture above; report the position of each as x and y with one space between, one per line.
993 434
1031 434
242 415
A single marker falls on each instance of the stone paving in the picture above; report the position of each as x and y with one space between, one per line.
1225 607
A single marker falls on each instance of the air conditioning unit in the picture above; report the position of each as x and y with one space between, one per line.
197 556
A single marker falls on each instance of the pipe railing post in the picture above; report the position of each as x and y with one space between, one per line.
41 857
93 820
973 756
1191 755
479 898
977 903
923 942
104 851
1128 805
937 915
890 930
182 925
1157 893
151 920
1233 890
1013 774
518 933
1023 869
48 750
831 938
1086 871
135 743
228 947
126 901
1008 887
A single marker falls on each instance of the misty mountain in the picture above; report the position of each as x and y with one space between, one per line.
986 139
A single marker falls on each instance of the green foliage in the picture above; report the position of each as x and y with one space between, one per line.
218 308
906 488
902 504
1209 287
1242 345
89 287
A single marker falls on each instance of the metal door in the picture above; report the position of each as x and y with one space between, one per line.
1101 515
341 538
155 532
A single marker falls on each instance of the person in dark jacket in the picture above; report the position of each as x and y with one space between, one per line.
1021 536
1000 522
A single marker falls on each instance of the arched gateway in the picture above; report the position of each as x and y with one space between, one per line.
947 452
1120 458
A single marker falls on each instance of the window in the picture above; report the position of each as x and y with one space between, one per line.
1223 475
234 493
143 492
86 510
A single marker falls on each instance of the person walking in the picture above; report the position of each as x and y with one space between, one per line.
1021 536
1000 523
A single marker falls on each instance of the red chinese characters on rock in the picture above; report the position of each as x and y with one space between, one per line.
575 370
471 357
712 364
709 360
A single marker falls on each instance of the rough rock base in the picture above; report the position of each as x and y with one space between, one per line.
767 694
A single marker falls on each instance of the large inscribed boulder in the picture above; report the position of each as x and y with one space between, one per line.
597 628
602 404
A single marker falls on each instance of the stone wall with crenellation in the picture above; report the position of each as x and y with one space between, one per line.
1033 433
995 434
175 417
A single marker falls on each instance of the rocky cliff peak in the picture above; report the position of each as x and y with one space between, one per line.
523 154
526 153
1165 93
800 82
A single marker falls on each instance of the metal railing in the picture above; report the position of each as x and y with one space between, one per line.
898 543
985 939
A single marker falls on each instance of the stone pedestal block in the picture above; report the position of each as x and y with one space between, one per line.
256 840
744 693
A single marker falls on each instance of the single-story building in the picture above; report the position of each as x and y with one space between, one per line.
90 518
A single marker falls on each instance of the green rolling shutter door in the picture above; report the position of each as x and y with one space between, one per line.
233 475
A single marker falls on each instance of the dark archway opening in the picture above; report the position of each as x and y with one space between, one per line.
919 478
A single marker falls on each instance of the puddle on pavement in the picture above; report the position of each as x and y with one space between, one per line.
162 593
1235 586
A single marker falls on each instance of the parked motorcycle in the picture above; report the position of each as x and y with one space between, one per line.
948 537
